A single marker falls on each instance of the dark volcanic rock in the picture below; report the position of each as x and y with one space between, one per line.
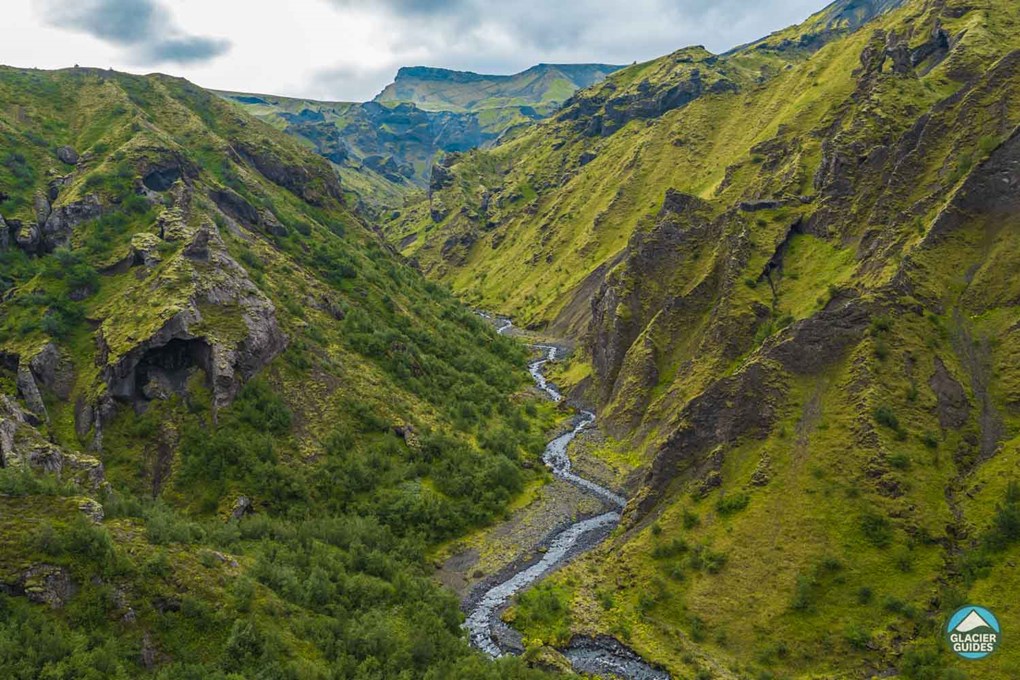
161 179
62 219
67 155
313 187
744 405
441 178
953 407
811 344
235 206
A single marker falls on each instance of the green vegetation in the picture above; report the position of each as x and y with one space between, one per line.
793 309
266 508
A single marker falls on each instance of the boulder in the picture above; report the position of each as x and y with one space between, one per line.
67 155
42 208
59 225
26 236
53 370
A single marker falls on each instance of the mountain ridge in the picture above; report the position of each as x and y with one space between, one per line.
761 256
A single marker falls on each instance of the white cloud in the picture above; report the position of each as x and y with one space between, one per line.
350 49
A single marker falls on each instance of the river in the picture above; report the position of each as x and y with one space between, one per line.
601 656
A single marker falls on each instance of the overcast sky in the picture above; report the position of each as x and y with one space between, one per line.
350 49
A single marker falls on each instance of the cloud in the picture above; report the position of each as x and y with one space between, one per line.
144 29
363 82
506 37
184 50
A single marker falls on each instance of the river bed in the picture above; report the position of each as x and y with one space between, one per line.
601 656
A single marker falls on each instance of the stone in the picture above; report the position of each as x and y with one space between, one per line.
91 509
48 584
67 155
243 507
42 208
29 392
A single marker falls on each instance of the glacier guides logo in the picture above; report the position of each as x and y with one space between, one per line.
973 632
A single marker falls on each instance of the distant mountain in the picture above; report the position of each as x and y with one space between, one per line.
383 149
544 87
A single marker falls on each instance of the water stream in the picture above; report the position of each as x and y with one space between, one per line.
598 656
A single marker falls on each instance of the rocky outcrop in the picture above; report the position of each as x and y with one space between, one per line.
145 250
313 187
45 584
52 369
160 365
21 445
952 405
29 392
635 290
744 405
243 507
55 232
993 190
67 154
808 346
441 178
605 111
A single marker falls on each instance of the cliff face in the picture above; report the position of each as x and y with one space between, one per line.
790 270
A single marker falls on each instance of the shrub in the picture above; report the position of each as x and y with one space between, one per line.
876 529
690 519
899 460
884 416
728 505
857 637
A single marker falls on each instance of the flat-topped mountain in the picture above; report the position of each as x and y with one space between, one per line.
542 87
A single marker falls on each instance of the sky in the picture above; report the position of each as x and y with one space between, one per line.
348 50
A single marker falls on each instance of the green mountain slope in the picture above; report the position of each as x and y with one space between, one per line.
231 420
792 270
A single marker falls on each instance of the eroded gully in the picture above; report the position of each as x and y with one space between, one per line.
598 656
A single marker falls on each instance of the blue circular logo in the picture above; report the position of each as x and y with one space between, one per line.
973 632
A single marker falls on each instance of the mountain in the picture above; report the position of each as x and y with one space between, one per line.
790 271
232 420
383 150
543 87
